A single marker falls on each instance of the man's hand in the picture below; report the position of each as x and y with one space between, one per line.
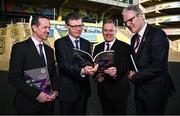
130 74
89 70
44 97
99 77
54 95
93 71
112 71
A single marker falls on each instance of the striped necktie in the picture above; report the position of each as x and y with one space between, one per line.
137 42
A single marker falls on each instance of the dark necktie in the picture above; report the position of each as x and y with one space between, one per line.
107 46
42 55
137 41
76 43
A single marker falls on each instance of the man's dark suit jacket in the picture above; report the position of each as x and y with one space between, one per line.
118 87
153 81
24 56
71 82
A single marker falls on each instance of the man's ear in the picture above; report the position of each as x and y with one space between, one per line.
34 28
115 30
66 26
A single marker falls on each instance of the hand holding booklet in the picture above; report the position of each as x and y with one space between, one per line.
104 58
39 78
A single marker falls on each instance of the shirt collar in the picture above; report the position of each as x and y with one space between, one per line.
141 32
72 38
111 43
35 41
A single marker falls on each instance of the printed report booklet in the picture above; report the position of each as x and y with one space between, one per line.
39 78
104 58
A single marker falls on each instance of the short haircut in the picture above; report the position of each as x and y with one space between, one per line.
72 16
134 8
108 21
35 19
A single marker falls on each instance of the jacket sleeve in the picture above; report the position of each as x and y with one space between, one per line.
16 73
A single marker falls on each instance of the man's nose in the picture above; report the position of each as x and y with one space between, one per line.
48 30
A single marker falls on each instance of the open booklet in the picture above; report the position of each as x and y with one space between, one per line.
104 58
39 78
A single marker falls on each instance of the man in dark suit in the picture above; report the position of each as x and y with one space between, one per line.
74 80
150 46
25 55
113 86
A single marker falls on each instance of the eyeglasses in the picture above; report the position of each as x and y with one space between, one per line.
76 26
130 20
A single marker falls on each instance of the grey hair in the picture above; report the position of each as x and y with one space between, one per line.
134 8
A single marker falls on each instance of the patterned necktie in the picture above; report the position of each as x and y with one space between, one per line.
76 43
107 46
137 42
42 55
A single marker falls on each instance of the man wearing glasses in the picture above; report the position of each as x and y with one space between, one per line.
150 46
74 80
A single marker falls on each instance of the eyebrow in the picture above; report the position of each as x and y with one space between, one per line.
130 19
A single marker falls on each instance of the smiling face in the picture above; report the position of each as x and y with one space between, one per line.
109 32
75 27
133 21
41 30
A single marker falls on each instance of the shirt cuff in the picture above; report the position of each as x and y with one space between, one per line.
82 73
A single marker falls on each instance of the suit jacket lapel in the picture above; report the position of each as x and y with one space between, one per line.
83 45
102 47
114 45
132 42
69 46
48 57
69 42
33 49
132 46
